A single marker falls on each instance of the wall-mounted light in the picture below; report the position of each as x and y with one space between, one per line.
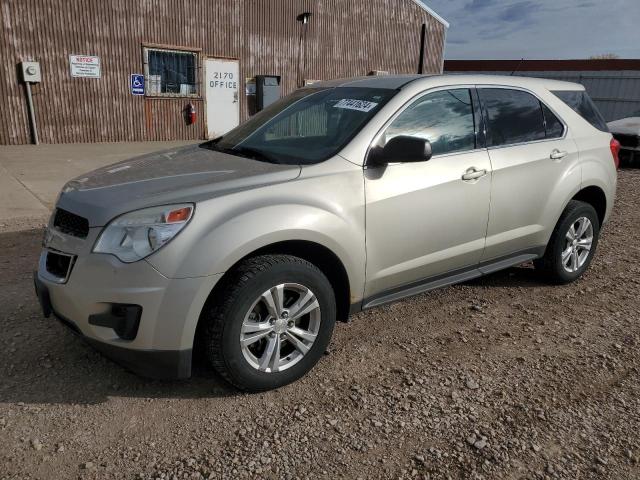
302 45
304 17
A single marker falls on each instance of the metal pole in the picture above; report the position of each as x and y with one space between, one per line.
32 115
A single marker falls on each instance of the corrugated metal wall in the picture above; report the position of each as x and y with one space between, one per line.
616 93
613 84
344 38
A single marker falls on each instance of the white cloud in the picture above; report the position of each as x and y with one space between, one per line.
540 29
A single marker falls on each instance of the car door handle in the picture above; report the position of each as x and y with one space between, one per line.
473 174
557 154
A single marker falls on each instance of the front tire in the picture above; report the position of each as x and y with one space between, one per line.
270 323
572 244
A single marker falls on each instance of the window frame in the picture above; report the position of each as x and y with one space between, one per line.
544 116
196 52
478 121
487 126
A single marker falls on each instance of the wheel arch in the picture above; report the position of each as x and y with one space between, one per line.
321 256
594 196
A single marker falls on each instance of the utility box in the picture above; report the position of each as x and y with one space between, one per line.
30 72
267 90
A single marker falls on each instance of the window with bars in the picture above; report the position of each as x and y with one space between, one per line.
170 73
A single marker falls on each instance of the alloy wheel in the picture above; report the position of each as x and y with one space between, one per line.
280 327
578 243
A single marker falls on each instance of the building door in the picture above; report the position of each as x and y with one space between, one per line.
222 83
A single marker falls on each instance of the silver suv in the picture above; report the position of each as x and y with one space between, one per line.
342 196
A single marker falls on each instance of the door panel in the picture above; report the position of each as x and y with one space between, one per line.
423 220
534 167
222 95
528 188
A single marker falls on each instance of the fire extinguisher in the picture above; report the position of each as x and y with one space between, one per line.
191 114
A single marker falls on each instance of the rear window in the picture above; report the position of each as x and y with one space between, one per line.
580 102
513 116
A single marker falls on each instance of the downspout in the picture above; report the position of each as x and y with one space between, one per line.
444 48
423 35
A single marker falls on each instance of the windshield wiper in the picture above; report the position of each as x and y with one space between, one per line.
239 151
251 153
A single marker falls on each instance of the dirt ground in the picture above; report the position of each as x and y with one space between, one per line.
503 377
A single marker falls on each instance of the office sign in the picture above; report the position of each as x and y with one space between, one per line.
87 66
136 84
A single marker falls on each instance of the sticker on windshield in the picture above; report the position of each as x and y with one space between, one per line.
359 105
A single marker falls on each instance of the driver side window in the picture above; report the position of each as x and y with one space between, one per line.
445 118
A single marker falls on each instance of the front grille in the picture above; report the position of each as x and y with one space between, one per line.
71 224
59 265
628 141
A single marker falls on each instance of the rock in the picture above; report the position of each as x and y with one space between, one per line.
60 448
599 469
480 444
472 384
36 444
87 465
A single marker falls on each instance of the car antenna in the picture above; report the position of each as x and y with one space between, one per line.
517 67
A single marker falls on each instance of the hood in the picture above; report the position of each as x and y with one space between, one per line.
625 126
186 174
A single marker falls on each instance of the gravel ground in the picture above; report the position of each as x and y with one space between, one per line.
503 377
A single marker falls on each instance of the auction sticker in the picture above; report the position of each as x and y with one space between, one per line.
352 104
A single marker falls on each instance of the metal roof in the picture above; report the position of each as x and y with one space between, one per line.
399 81
431 12
383 81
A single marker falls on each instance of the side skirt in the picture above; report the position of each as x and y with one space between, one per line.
449 278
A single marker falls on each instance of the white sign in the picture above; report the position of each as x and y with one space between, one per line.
87 66
352 104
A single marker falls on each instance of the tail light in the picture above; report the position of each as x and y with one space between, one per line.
615 150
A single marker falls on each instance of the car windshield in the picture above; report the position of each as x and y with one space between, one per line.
306 127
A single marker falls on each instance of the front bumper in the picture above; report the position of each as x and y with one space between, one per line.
170 309
160 364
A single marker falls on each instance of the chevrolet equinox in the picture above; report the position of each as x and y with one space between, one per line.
342 196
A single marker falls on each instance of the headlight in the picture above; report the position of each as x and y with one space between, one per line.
136 235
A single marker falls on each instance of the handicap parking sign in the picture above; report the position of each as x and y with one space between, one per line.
137 84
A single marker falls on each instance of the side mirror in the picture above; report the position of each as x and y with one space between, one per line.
401 149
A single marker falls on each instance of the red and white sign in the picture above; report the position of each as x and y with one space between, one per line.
87 66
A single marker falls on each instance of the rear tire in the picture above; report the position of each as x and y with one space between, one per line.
270 323
572 244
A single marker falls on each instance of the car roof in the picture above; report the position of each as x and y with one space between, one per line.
396 82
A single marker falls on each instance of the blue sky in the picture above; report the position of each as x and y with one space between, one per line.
540 29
